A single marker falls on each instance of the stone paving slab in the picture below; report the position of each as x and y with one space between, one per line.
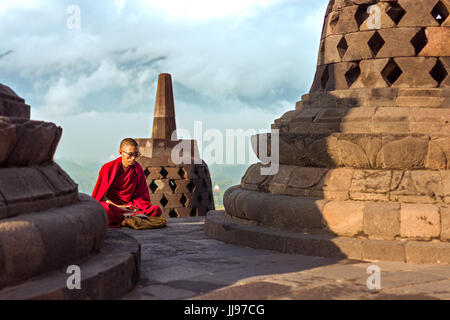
180 262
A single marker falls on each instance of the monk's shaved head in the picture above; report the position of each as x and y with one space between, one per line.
129 150
128 142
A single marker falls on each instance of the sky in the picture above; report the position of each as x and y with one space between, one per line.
91 67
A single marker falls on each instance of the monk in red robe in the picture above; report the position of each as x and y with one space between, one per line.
121 187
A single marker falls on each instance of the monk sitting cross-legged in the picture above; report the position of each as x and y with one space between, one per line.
121 187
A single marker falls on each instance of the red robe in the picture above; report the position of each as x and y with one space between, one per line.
123 187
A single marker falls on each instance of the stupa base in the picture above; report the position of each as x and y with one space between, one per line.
361 230
111 274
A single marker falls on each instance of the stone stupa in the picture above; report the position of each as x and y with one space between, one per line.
46 225
180 189
365 156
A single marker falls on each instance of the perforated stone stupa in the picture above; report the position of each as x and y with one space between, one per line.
365 156
46 225
180 189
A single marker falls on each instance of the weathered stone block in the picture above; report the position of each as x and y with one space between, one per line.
331 115
383 250
437 43
330 24
23 185
445 221
36 142
389 114
353 154
280 181
306 177
342 247
21 242
371 74
336 76
184 186
400 152
60 182
439 149
7 139
420 98
416 72
415 13
427 183
426 252
14 108
338 179
344 218
358 49
369 181
346 22
356 127
331 51
420 221
382 220
359 114
397 42
306 115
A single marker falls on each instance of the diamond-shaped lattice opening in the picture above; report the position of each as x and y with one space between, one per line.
193 212
438 72
342 47
147 172
153 186
391 72
375 43
172 185
352 74
419 41
181 173
440 12
164 201
324 78
173 213
395 12
191 186
163 172
361 14
183 200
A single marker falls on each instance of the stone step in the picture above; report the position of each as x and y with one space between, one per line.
378 220
221 226
108 275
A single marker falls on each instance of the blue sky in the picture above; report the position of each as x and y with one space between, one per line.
235 64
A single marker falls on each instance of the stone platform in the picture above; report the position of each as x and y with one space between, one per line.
181 262
224 227
110 274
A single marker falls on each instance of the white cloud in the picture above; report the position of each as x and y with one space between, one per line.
236 64
64 96
192 10
8 6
